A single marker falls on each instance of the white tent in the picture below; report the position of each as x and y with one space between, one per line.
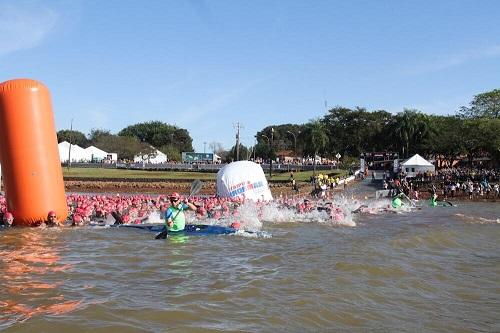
417 164
96 154
158 157
78 154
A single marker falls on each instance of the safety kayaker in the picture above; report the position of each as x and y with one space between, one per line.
433 202
174 217
396 201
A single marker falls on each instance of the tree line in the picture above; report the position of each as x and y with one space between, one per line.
473 131
138 139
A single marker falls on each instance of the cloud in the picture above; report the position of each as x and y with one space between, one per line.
24 27
453 60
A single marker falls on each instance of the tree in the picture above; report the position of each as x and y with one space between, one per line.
96 134
231 156
73 137
445 140
352 132
409 129
315 138
124 146
159 134
216 148
485 105
183 140
171 152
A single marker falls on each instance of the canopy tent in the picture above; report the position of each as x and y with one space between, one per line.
78 154
155 158
417 164
96 154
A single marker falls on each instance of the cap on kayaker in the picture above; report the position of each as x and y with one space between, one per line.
174 195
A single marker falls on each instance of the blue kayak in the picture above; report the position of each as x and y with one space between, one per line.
190 229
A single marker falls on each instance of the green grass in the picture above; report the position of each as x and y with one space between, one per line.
104 173
138 174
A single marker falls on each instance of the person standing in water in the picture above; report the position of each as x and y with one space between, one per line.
52 220
175 217
7 220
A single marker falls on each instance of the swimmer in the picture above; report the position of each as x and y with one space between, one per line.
7 220
52 220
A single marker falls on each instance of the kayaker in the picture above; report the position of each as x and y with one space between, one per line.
396 201
433 201
174 217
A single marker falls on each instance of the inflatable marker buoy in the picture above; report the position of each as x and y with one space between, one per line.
243 179
29 155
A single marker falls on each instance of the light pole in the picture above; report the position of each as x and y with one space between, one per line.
269 146
294 141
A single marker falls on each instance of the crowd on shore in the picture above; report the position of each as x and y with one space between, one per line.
456 183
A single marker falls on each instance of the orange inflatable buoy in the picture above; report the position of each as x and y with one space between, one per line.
29 155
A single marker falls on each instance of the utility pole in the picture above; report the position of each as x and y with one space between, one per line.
70 139
254 148
238 127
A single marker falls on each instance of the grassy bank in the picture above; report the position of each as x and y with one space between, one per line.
173 175
135 174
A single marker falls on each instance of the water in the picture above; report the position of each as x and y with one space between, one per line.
428 270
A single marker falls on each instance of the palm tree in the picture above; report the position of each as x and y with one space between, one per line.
316 139
406 126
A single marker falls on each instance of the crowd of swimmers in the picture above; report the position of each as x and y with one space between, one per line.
137 209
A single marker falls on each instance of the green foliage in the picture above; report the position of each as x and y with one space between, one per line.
159 134
353 131
73 137
485 105
315 137
96 134
244 154
445 140
172 153
409 129
284 137
126 147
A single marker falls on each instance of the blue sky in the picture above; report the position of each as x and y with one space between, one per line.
207 65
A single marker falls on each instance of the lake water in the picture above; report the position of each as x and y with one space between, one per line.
427 270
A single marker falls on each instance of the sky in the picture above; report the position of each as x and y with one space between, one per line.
208 66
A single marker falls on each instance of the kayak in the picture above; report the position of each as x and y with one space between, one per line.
189 230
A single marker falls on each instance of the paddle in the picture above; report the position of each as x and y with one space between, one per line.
411 201
195 188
